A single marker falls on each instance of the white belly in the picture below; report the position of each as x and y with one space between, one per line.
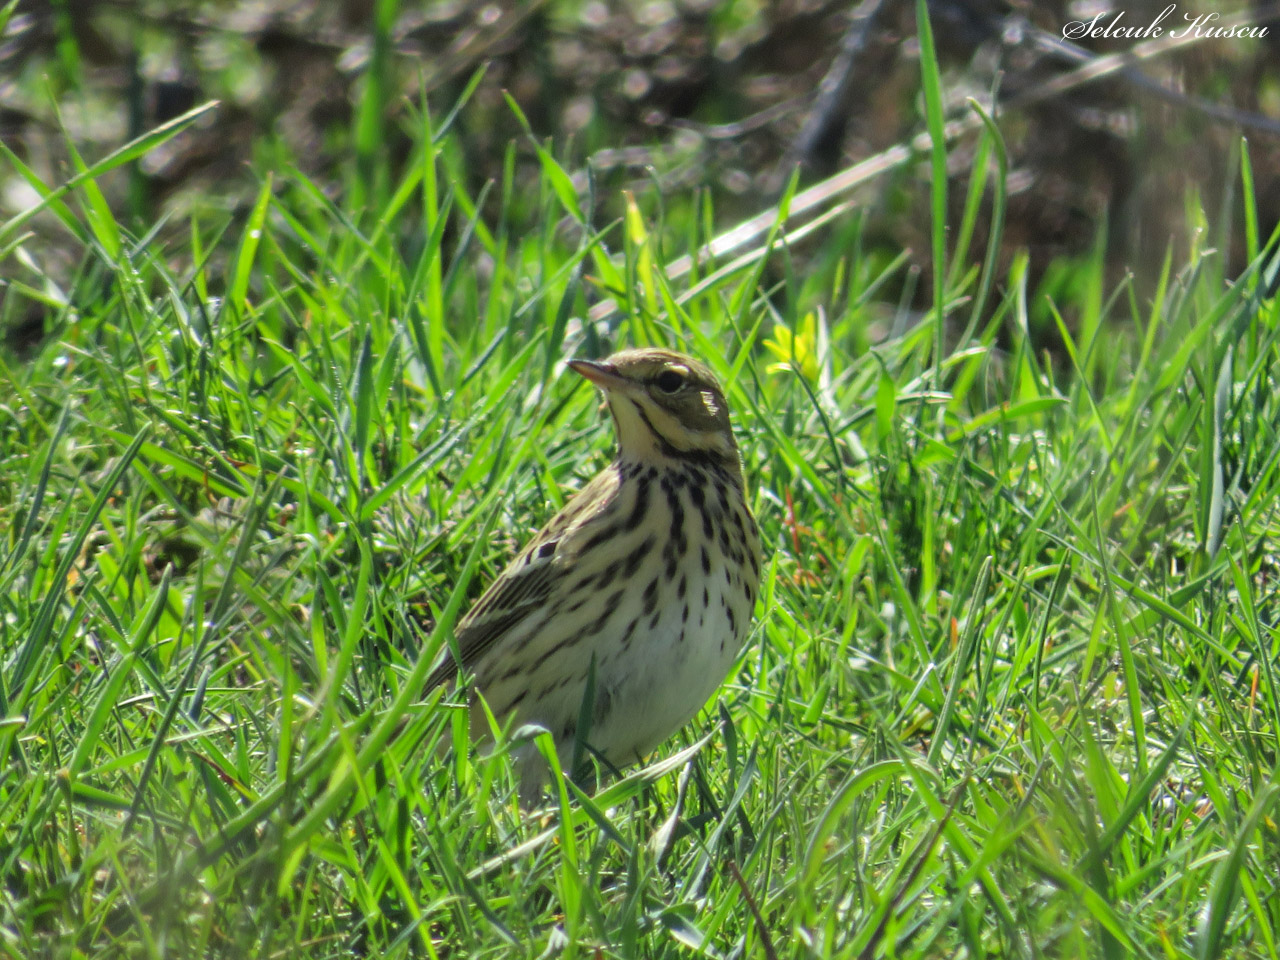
665 677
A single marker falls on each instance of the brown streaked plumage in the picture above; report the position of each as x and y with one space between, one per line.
652 569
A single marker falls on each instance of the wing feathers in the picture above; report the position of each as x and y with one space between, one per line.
529 580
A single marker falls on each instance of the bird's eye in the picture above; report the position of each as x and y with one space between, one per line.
669 381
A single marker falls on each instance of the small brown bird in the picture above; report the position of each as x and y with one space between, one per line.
652 569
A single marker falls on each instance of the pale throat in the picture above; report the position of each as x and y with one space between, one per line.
654 435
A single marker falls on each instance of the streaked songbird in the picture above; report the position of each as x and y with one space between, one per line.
651 572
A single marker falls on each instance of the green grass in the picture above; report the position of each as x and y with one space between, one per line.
1011 685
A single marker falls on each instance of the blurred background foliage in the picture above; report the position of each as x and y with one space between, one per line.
671 99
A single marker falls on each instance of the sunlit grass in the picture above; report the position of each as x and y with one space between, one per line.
1010 689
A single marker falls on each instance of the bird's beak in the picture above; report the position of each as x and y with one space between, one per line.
603 375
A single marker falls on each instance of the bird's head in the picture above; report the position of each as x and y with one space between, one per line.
664 404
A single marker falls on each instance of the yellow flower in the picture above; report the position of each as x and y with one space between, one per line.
796 350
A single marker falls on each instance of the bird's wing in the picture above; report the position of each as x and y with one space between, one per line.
527 582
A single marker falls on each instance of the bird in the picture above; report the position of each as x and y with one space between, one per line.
646 581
